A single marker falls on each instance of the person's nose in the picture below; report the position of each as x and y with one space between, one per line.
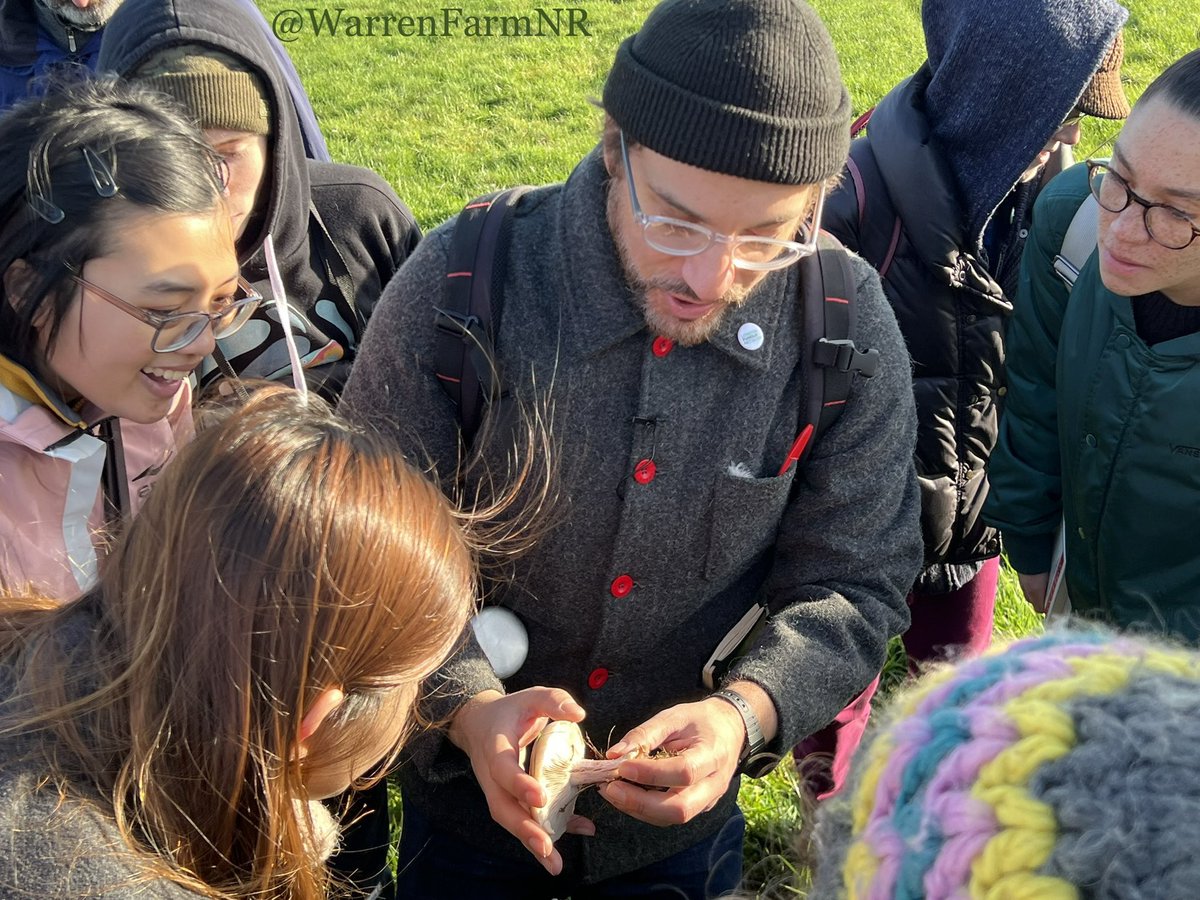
1068 134
710 274
204 343
1129 225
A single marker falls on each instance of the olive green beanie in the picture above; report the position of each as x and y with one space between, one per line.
217 89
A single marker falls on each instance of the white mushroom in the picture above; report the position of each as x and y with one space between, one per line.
558 761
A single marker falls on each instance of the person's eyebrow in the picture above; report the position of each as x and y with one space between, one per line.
170 286
671 201
1180 193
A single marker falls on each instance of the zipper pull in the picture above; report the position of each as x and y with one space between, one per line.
71 39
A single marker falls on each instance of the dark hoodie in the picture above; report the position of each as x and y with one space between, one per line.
332 275
935 175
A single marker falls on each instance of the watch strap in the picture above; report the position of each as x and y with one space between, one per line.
754 737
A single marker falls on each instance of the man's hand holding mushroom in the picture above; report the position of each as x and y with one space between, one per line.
491 728
703 741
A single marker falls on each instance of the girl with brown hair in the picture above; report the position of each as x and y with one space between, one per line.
255 642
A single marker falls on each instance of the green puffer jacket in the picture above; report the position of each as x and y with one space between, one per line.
1100 431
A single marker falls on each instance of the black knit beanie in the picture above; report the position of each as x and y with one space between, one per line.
749 88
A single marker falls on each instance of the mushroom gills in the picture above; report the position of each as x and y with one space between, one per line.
557 760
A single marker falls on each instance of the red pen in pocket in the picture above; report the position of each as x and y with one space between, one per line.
797 450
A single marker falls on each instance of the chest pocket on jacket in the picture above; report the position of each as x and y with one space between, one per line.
746 513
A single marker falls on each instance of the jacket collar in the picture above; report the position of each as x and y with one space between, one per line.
26 385
67 35
601 308
933 219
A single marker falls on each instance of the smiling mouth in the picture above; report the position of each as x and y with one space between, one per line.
166 376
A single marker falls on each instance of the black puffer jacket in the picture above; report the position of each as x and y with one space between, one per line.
905 219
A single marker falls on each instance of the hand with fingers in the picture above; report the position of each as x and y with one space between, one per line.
491 728
1034 588
703 741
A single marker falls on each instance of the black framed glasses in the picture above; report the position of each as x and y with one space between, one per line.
174 331
678 237
1167 226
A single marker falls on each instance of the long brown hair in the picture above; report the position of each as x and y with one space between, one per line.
283 553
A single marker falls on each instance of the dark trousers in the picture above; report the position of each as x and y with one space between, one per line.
435 865
944 626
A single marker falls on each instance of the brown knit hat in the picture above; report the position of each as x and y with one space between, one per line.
1104 97
217 89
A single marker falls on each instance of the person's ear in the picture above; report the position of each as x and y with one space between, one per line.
18 278
325 703
610 147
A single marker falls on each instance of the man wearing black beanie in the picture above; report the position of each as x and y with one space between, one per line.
652 305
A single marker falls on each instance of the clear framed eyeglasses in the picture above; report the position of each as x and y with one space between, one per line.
678 237
174 331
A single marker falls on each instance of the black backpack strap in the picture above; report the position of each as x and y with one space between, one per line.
829 299
114 484
470 317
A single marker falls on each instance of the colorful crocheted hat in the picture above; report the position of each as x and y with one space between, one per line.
1062 766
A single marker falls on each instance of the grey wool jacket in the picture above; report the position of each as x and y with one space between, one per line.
65 848
637 580
59 846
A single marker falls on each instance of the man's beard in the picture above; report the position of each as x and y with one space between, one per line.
96 14
685 332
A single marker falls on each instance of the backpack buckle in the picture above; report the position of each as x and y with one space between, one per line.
463 326
844 356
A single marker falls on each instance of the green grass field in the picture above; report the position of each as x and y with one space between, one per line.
449 117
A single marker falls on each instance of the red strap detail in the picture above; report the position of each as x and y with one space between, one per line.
459 274
483 205
861 122
836 300
887 260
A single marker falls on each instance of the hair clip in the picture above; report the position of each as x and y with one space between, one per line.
37 183
102 176
46 209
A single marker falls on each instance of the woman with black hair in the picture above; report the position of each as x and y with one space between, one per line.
117 269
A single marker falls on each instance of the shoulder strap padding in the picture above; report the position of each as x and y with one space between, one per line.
829 299
470 317
1079 242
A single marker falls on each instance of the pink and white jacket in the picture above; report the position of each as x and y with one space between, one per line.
52 481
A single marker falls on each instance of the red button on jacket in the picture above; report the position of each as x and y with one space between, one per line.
597 678
662 346
621 586
644 471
